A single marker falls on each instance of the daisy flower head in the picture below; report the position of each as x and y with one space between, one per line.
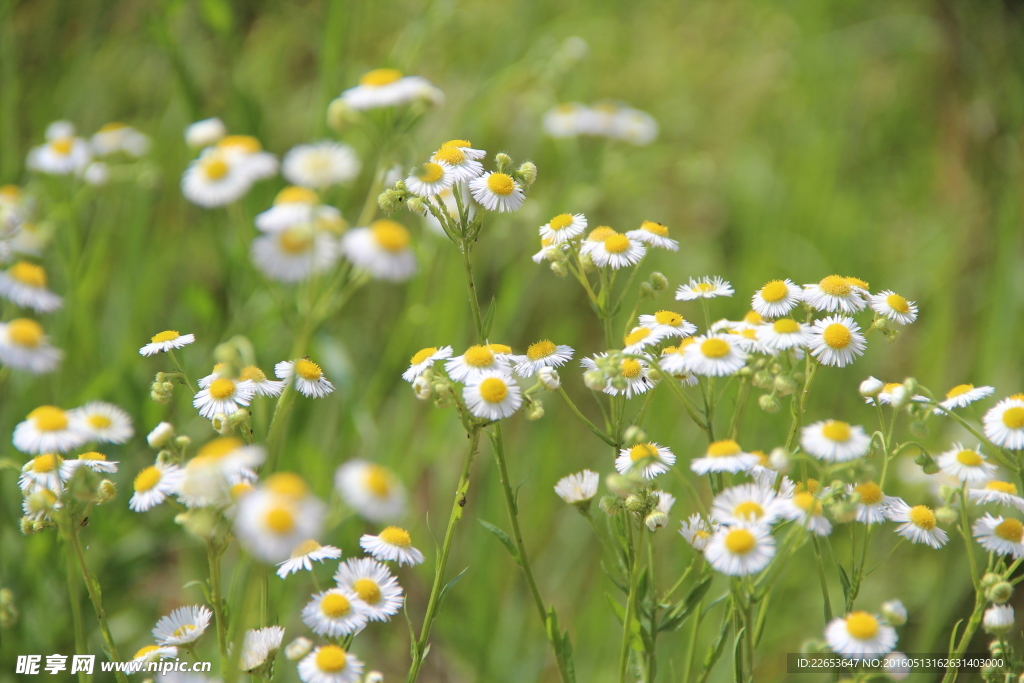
205 133
320 165
466 147
577 488
918 524
393 544
62 154
654 235
153 484
776 298
631 379
966 464
276 517
308 377
873 505
749 339
835 293
304 555
430 179
24 284
218 466
103 422
668 323
740 550
746 504
153 653
423 359
183 626
247 153
259 647
47 429
961 396
806 508
639 338
999 535
834 441
564 227
784 334
705 288
373 491
373 583
224 396
617 251
724 456
497 192
1004 423
262 385
335 612
492 396
894 307
998 619
292 205
116 137
836 340
295 253
330 664
998 492
860 634
215 179
24 346
458 165
382 249
714 355
166 341
892 393
97 462
595 237
477 361
544 353
645 459
697 531
390 88
42 472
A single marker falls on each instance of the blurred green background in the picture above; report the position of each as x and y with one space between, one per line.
798 138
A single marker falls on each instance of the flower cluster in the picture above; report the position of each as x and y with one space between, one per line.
603 119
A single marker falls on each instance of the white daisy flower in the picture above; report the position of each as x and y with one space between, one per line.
154 653
262 385
835 293
894 307
548 251
492 396
430 179
392 544
47 429
102 422
278 516
967 465
777 298
24 284
389 88
214 179
309 378
97 462
704 288
166 341
295 253
153 484
382 249
784 334
42 472
62 155
466 147
247 153
564 120
304 555
205 133
746 504
697 531
836 341
183 626
639 339
259 647
998 492
805 508
544 353
563 227
476 362
1000 535
117 137
372 490
292 205
1004 424
423 359
645 459
961 396
653 235
220 464
834 441
497 192
918 524
579 487
860 635
998 619
713 355
330 664
892 393
740 550
873 506
595 237
224 396
460 167
634 126
373 584
24 346
724 456
320 165
335 612
668 324
748 339
632 372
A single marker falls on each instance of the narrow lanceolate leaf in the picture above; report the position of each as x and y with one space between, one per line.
488 319
504 538
451 584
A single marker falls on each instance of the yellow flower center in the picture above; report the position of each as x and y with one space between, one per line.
500 183
28 274
368 591
92 455
214 168
541 349
307 369
378 480
458 143
184 630
10 192
923 517
870 493
335 605
49 418
98 421
478 356
295 240
331 658
776 290
861 625
453 156
143 651
394 535
724 448
280 520
704 287
1010 530
500 348
837 336
287 484
959 390
493 390
811 485
245 143
786 326
714 348
252 373
740 542
969 458
379 77
147 479
1014 417
637 336
44 463
222 388
807 502
430 172
857 282
1002 487
422 355
112 126
62 146
240 489
835 285
890 387
297 195
218 448
166 336
642 451
305 548
748 333
391 236
600 234
668 318
702 535
656 228
560 222
631 368
834 430
25 332
897 303
748 509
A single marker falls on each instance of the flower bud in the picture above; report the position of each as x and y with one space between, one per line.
374 677
656 520
653 375
422 389
595 380
610 505
634 435
549 379
417 205
634 502
880 324
899 397
990 579
298 648
619 485
784 386
998 619
999 593
646 291
659 283
948 493
768 403
535 410
871 387
502 161
894 612
8 608
946 515
339 115
105 492
528 172
619 383
559 269
205 133
221 424
996 648
160 435
762 379
844 511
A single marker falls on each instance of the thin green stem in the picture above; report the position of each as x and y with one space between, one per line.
627 632
74 596
217 598
474 302
600 434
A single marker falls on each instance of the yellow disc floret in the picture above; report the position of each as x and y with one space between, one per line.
287 484
837 336
367 590
740 541
222 388
631 368
297 195
493 390
335 605
394 535
49 418
501 183
307 369
379 77
541 349
642 451
391 236
165 336
724 448
25 332
897 303
1010 530
870 493
637 336
560 222
774 291
969 458
655 228
331 659
422 355
147 479
714 348
861 625
305 548
835 285
280 520
430 172
28 274
922 517
834 430
378 480
1013 418
478 356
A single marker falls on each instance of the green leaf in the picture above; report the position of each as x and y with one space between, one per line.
202 585
619 583
762 619
488 319
845 581
619 610
737 653
504 538
952 636
448 586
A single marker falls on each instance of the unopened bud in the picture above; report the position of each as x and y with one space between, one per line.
239 417
105 492
535 410
844 511
339 115
634 435
8 608
656 520
221 425
160 435
417 205
769 403
528 172
948 493
784 386
658 282
559 269
421 387
549 379
634 502
374 677
610 505
646 290
1000 593
653 375
298 648
998 619
619 485
595 380
990 579
946 515
871 387
502 161
762 379
894 612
